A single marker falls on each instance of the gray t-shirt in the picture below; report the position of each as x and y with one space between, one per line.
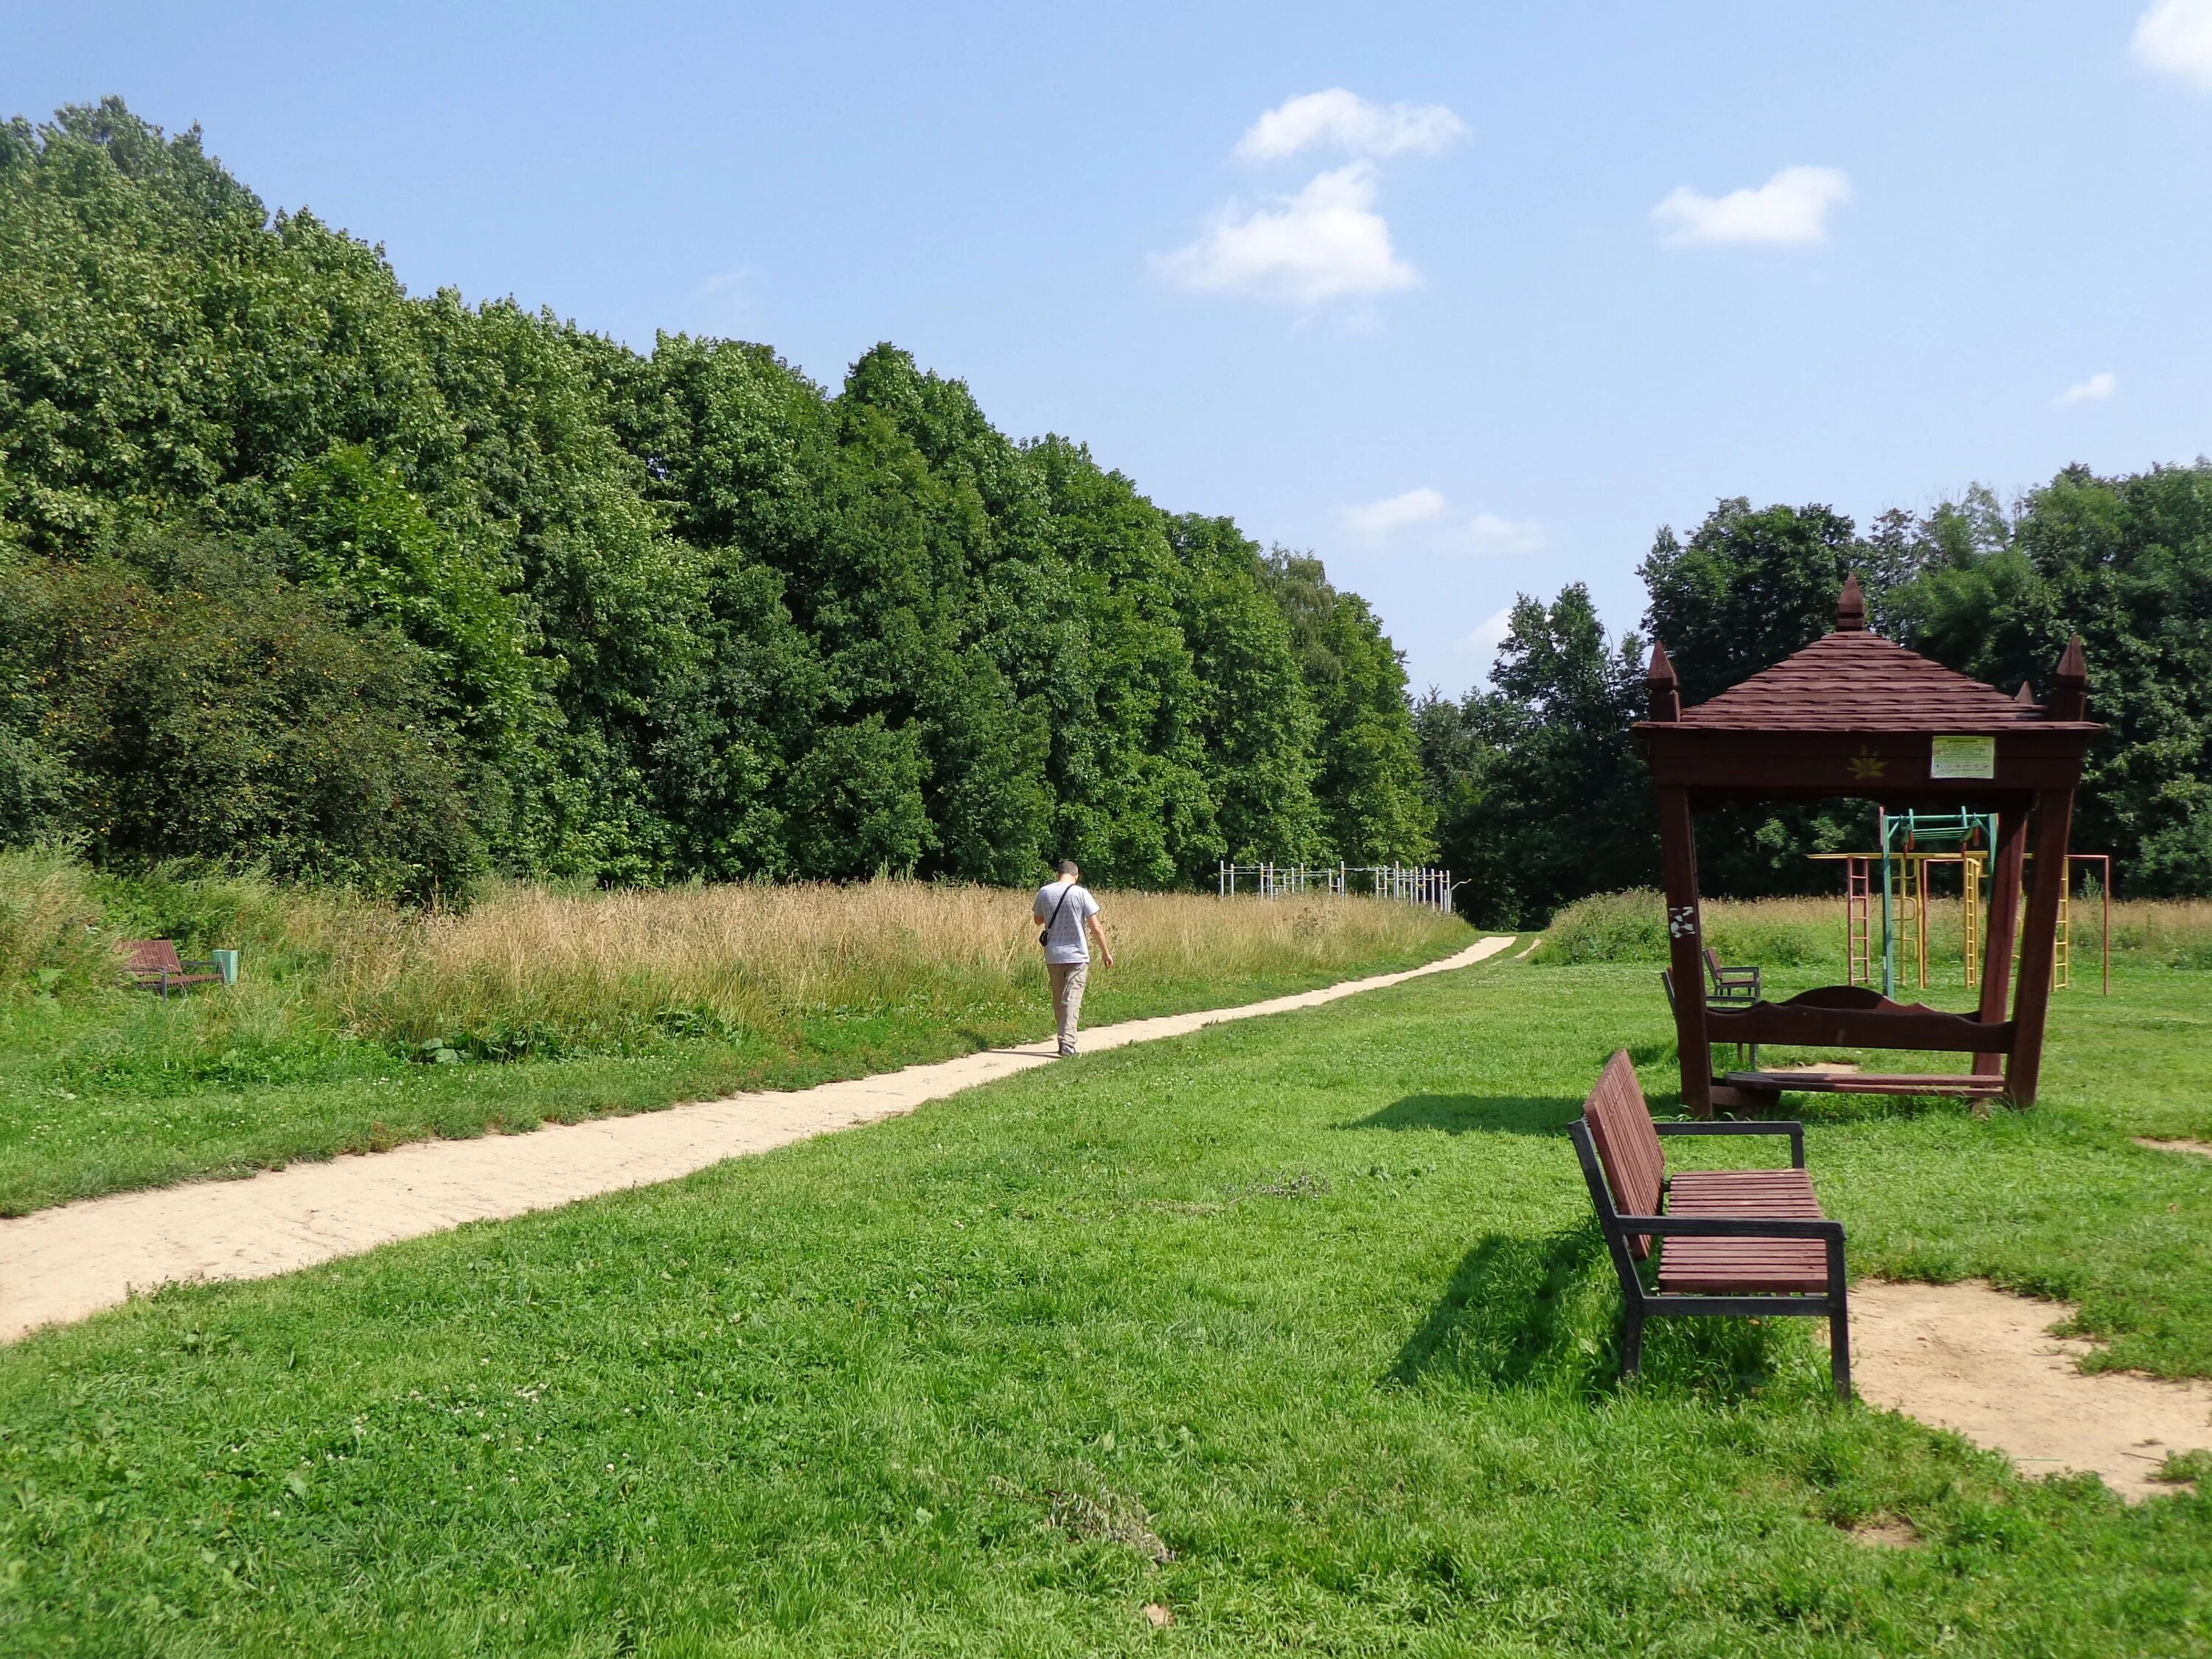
1065 941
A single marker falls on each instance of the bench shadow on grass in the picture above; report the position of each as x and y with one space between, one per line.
1544 1314
1509 1316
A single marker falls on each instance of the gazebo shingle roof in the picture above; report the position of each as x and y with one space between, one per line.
1855 681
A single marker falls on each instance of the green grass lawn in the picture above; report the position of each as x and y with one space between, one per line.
1296 1328
124 1090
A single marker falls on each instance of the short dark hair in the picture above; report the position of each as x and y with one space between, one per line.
1065 867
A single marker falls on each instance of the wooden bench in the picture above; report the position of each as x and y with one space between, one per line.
1726 988
153 964
1747 1242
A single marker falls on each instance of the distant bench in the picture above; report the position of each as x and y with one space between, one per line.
1747 1242
153 965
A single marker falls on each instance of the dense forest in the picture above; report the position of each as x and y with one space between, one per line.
1540 798
299 569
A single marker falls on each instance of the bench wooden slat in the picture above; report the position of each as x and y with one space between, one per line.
1723 1266
1737 1192
1620 1123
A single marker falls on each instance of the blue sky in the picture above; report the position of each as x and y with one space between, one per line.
1467 299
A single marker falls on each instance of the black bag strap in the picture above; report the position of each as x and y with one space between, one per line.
1056 910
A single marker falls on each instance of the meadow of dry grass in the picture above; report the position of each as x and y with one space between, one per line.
757 958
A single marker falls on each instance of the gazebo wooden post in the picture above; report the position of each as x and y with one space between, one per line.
2011 853
1686 941
2054 824
1685 949
2039 947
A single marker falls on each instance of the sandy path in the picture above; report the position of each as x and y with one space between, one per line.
62 1264
1974 1359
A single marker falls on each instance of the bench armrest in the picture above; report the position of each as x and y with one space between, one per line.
1729 1226
1775 1127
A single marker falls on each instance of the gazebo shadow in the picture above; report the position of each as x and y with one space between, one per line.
1461 1115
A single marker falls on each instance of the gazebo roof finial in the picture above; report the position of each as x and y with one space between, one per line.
2070 685
1851 609
1663 684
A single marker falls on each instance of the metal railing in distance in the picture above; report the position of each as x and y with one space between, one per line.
1405 883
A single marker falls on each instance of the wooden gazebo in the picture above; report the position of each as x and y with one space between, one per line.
1853 714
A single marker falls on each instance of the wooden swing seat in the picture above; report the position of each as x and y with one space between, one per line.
1867 1083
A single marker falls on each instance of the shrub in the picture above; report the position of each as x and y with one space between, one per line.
228 709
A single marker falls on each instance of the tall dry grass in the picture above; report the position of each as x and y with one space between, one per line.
529 967
46 902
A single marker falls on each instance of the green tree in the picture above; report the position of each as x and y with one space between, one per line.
2126 563
1745 590
1256 717
1571 808
856 805
233 711
662 616
1376 806
1749 587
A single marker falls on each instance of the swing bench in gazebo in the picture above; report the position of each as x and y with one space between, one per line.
1854 714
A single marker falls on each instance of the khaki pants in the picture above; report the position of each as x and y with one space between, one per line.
1068 979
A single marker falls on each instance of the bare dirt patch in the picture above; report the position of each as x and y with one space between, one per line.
1887 1533
1972 1359
2202 1148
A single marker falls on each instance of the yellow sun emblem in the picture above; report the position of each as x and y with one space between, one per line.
1866 766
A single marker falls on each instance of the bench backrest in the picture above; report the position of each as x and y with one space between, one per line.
1627 1145
152 957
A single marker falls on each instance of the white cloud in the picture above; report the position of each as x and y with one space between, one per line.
1790 210
2174 37
726 300
1489 634
1378 518
1341 120
1489 532
1326 242
2094 390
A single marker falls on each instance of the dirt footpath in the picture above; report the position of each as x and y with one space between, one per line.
62 1264
1973 1358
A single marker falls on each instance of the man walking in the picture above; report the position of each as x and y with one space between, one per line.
1066 910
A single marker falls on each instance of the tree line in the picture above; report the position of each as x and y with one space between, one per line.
1540 796
300 570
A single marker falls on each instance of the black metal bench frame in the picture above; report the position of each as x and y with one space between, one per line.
1639 1303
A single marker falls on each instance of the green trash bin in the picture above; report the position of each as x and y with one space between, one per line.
226 964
